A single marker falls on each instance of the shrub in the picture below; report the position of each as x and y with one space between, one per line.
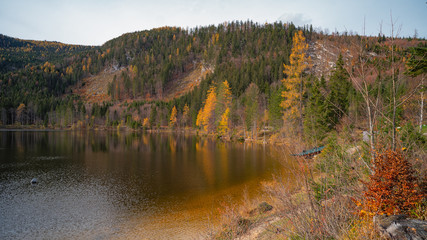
392 188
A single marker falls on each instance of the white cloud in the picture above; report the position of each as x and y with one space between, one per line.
297 19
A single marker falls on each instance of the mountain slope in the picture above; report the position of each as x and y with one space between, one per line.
17 53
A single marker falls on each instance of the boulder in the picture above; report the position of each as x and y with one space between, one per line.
400 227
34 181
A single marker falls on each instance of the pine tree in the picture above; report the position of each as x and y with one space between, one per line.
275 111
251 107
315 122
185 115
340 88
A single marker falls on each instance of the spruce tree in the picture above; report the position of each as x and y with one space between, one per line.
340 88
315 123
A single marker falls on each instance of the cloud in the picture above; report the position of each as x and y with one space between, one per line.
298 19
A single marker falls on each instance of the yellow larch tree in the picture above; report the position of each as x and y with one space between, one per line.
146 123
223 124
223 102
293 93
173 119
206 116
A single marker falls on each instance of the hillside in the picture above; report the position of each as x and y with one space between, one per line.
17 53
239 52
94 89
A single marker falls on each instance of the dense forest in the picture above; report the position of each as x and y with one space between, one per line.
241 53
16 53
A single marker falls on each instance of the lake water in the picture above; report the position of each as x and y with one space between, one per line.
114 185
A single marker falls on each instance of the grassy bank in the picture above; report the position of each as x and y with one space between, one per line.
331 197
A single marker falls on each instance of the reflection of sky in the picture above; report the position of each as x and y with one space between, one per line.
95 22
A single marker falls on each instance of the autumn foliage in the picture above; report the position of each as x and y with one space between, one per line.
173 118
206 115
292 96
392 188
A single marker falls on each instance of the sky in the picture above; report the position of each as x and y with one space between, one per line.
93 22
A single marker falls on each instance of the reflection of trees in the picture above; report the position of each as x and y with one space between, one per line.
207 161
160 163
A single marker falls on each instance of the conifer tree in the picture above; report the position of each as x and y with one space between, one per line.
293 95
340 88
275 111
173 118
185 115
224 123
315 123
251 107
206 115
223 99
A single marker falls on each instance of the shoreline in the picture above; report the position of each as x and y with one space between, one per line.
277 141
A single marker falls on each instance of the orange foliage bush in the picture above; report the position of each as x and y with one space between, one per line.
392 188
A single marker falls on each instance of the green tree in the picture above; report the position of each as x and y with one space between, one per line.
275 111
340 88
315 122
417 66
251 100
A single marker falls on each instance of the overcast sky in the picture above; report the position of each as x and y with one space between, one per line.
93 22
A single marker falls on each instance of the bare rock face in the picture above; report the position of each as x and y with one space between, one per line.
400 227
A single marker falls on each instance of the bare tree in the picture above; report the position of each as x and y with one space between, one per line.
359 79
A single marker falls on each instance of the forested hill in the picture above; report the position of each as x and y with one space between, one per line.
17 53
148 61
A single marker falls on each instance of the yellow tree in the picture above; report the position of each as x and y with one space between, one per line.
20 113
146 123
172 120
223 124
199 117
206 115
223 99
292 95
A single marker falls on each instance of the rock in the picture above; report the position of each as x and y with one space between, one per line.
34 181
400 227
264 207
243 225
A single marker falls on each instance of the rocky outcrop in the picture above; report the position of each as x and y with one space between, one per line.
400 227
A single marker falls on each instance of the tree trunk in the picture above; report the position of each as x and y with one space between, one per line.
300 109
422 104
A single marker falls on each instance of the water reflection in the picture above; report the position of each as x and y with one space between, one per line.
120 184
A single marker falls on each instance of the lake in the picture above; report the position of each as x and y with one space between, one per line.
121 185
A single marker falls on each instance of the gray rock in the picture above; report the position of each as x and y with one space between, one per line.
400 227
34 181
